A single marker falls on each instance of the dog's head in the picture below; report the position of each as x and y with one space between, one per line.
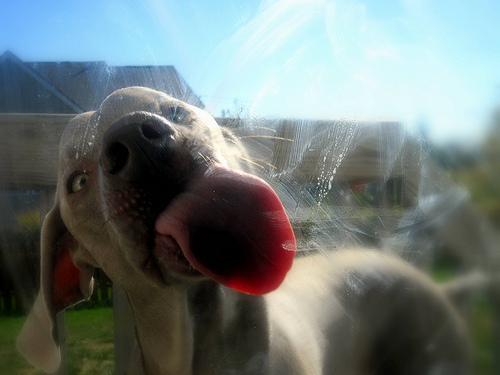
149 190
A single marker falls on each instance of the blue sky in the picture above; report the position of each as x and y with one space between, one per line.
410 60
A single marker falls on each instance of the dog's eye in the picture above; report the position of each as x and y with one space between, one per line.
177 114
77 182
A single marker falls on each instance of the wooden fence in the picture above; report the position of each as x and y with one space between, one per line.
15 300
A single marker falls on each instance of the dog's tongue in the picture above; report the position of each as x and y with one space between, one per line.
232 227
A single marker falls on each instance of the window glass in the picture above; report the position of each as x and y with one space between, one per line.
377 125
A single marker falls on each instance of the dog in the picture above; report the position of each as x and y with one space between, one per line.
152 191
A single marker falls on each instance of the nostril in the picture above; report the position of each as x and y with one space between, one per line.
152 132
117 156
136 145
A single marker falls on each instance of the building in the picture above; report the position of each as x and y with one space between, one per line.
76 87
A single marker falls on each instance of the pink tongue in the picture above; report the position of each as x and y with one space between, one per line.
232 227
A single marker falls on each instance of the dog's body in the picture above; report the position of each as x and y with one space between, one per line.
155 220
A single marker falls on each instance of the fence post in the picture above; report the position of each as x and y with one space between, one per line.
124 330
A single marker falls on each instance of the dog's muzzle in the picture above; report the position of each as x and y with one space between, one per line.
229 225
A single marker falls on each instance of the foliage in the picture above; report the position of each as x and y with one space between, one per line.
29 221
477 168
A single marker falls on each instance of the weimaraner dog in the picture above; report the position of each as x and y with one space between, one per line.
151 190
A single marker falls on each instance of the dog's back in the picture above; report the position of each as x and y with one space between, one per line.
363 312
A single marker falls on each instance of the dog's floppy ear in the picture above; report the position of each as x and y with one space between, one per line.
62 284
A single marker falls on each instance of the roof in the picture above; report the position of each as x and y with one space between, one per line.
75 87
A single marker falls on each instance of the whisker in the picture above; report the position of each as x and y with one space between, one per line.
268 136
256 127
207 160
209 146
233 141
249 161
264 162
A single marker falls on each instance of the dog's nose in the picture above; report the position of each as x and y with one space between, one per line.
134 145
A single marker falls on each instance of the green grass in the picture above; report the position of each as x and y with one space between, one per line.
90 340
481 315
482 328
89 337
10 361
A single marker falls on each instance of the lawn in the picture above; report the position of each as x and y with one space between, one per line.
90 341
89 334
482 331
480 316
